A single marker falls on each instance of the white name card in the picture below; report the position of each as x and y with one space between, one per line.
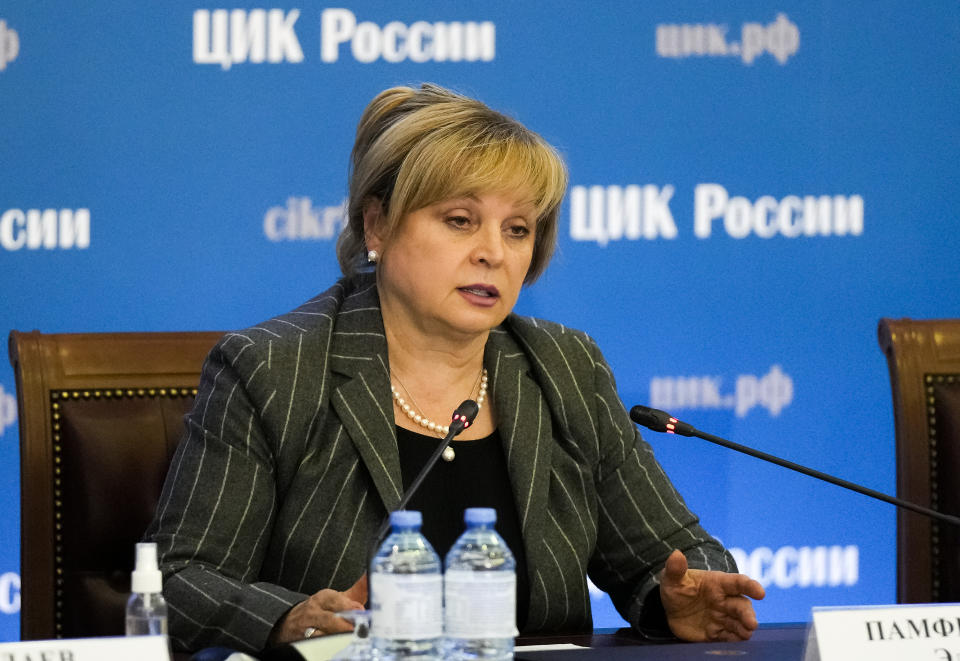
918 632
320 648
141 648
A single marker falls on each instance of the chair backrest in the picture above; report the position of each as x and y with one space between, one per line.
924 362
100 417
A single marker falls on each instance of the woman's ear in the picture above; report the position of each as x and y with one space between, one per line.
373 224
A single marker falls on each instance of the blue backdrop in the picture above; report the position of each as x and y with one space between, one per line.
753 186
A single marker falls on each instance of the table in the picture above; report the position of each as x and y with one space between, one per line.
771 642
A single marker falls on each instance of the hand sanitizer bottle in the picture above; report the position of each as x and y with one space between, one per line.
146 609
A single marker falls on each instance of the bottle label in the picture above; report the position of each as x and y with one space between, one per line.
480 604
407 606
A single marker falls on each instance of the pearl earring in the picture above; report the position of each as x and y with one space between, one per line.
373 256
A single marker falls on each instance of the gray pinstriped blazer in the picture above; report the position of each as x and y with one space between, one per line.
290 462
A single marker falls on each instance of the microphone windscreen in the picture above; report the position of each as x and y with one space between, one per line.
467 411
649 418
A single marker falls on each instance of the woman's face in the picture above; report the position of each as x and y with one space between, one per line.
455 268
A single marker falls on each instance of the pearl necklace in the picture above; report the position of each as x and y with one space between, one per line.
413 412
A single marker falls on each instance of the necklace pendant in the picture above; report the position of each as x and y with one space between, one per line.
448 454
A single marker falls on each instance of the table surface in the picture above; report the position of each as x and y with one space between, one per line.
771 642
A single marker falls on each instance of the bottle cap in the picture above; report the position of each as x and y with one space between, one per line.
480 515
406 518
146 577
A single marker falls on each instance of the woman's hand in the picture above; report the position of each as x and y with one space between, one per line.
318 614
707 605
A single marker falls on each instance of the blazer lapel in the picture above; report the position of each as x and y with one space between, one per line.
524 422
362 401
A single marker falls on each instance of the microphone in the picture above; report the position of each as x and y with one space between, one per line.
462 418
657 420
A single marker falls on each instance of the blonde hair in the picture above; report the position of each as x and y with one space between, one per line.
415 147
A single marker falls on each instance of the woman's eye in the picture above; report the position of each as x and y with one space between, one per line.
519 230
458 221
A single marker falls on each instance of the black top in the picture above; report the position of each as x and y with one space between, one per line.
478 477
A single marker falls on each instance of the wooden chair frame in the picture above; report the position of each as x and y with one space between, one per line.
923 357
50 368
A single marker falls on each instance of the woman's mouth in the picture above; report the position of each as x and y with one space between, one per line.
487 291
480 295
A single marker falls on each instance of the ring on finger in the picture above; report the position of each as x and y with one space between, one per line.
309 632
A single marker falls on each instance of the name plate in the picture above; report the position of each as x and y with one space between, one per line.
123 648
919 632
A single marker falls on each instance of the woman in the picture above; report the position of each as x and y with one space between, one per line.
307 427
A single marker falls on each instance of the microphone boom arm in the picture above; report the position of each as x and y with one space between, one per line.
662 421
462 418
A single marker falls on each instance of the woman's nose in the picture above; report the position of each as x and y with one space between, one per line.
488 247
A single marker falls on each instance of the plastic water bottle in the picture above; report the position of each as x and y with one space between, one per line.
146 608
480 592
406 593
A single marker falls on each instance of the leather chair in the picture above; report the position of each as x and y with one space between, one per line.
924 362
100 417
